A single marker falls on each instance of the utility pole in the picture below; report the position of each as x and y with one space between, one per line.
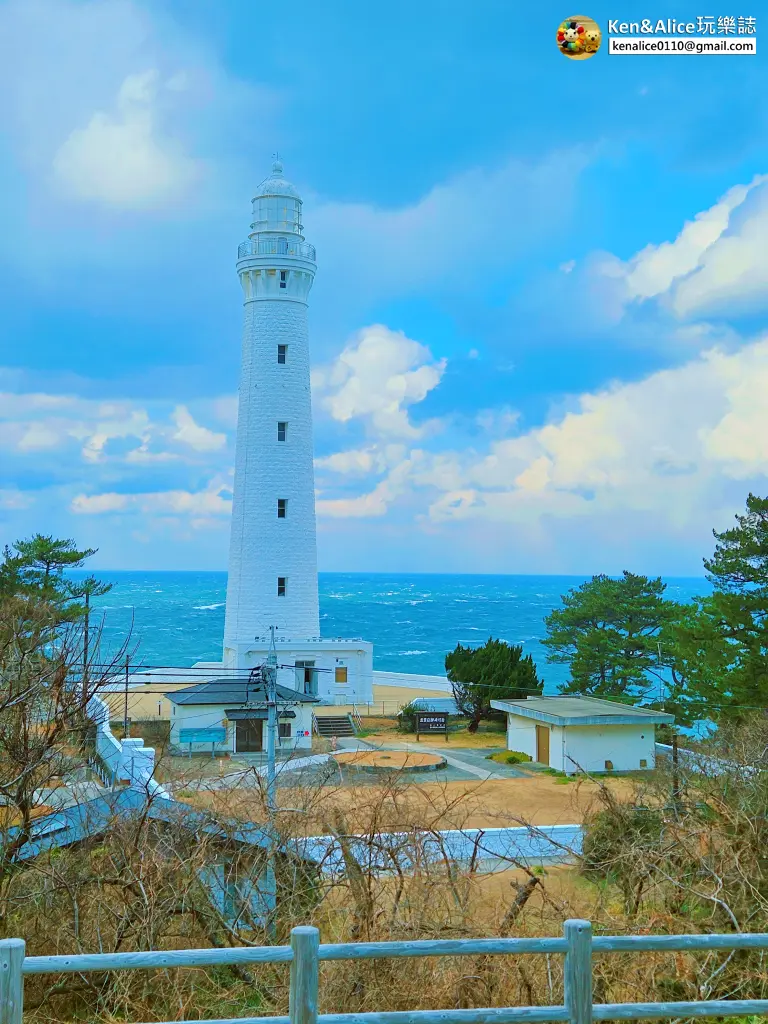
270 673
125 702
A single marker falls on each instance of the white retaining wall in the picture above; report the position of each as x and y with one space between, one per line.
126 760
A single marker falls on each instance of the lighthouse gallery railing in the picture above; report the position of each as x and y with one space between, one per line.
276 247
305 954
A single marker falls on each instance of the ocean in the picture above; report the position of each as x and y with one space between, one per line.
177 618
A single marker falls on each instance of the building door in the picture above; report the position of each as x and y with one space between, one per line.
542 744
248 736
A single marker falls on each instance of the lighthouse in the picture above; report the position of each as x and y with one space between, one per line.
272 578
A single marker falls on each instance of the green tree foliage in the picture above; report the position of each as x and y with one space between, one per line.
495 671
37 566
719 646
608 632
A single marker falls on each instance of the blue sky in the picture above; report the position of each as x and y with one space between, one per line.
538 323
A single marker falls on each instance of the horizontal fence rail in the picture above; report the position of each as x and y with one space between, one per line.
305 954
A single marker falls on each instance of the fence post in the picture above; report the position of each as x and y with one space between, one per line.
578 971
305 942
11 981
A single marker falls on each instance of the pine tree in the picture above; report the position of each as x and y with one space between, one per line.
608 631
495 671
720 646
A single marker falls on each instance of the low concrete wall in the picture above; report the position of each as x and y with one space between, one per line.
551 843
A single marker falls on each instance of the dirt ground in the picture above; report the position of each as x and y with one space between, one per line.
538 800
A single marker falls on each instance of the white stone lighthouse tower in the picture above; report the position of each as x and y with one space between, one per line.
273 548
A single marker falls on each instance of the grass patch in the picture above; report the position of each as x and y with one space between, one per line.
509 757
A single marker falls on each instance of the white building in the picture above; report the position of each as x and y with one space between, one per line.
273 548
229 716
573 734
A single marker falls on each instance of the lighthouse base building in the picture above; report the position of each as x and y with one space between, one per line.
272 581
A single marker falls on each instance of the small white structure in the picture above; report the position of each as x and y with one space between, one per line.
574 734
230 716
273 547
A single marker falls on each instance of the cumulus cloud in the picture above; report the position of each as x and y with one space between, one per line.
718 263
121 156
190 433
376 378
38 423
665 446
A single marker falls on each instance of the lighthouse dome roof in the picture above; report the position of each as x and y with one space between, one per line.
276 184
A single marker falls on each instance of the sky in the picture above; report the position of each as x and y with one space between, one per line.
538 325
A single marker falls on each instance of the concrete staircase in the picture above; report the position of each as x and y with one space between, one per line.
334 725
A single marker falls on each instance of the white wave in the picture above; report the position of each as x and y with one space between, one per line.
414 652
208 607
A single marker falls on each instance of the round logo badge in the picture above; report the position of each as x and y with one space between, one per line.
579 37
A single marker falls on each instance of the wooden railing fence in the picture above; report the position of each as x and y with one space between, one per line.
305 954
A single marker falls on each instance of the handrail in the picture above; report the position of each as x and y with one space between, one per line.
305 954
274 247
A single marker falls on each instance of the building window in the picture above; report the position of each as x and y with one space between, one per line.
341 674
282 351
306 678
282 431
281 581
284 730
643 762
283 278
282 508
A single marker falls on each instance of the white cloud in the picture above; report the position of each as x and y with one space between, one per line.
376 378
213 501
38 423
664 448
362 461
121 157
426 242
190 433
717 263
15 500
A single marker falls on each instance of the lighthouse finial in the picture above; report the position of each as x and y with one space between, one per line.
277 166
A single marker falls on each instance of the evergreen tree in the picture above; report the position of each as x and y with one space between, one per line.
39 565
608 632
719 648
495 671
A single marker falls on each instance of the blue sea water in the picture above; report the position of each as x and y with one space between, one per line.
177 618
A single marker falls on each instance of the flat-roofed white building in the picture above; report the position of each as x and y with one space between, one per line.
583 734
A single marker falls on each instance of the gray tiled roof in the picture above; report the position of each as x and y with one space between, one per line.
235 691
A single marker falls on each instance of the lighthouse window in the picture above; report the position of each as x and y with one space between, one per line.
282 352
283 278
282 431
281 580
282 507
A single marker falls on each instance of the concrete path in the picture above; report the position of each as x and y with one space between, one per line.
466 762
463 760
248 769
